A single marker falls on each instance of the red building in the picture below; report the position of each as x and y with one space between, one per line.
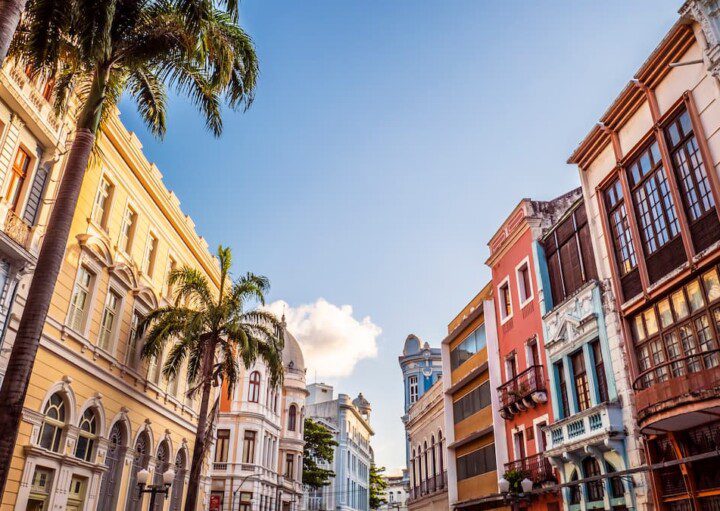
524 392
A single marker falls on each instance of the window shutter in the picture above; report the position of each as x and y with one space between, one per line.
35 195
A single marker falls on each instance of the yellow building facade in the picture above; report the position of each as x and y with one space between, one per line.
95 413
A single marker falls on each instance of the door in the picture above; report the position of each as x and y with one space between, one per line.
519 445
76 493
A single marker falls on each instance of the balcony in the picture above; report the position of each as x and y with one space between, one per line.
524 391
537 468
17 229
430 486
678 384
589 427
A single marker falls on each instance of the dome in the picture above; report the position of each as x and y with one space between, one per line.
292 354
412 345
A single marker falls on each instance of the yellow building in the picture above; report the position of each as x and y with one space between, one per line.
95 414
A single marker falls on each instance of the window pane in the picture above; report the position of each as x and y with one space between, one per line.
650 321
695 295
665 313
680 305
638 328
712 284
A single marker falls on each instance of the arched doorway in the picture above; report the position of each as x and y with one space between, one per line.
162 464
141 459
114 458
179 481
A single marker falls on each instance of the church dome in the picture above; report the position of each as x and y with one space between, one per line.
292 354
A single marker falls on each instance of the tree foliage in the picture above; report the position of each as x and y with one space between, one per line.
378 485
319 448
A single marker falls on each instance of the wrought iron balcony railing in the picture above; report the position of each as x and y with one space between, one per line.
537 468
524 391
429 486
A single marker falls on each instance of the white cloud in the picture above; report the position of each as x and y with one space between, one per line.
332 340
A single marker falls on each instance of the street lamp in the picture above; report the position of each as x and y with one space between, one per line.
242 481
515 498
144 476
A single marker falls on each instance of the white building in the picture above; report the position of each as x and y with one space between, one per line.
395 494
350 423
257 463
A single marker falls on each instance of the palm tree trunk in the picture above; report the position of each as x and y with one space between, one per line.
198 456
10 11
22 358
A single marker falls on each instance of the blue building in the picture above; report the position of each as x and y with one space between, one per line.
592 434
421 367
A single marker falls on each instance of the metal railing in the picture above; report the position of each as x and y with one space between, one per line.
521 388
429 486
537 467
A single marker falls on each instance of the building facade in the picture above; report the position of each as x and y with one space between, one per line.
95 413
523 392
257 460
649 172
395 494
425 429
349 420
473 448
593 432
31 141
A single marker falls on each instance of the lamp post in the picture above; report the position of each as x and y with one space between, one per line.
513 497
242 481
142 478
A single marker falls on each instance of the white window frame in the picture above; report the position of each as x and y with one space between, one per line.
501 302
130 241
413 381
148 265
515 430
94 270
107 204
520 285
134 363
112 335
538 431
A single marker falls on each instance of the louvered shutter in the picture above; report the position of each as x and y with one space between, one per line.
35 195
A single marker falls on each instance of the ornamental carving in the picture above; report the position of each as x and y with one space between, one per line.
572 321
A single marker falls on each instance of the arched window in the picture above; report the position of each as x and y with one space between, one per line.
114 462
432 455
292 418
425 455
275 401
141 458
616 484
414 474
87 436
574 489
254 388
53 423
179 482
591 468
441 455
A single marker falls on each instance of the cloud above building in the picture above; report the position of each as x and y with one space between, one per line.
332 339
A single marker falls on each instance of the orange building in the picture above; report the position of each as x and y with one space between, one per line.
471 447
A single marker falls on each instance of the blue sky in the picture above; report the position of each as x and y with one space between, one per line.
387 142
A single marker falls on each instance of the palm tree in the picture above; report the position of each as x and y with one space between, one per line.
211 333
97 50
10 12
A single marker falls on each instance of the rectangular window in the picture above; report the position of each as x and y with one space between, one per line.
693 182
472 402
525 289
582 386
136 333
222 445
505 301
18 176
476 463
600 371
413 388
473 343
289 467
150 254
127 230
107 326
569 255
101 205
171 266
79 300
249 447
623 244
562 385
